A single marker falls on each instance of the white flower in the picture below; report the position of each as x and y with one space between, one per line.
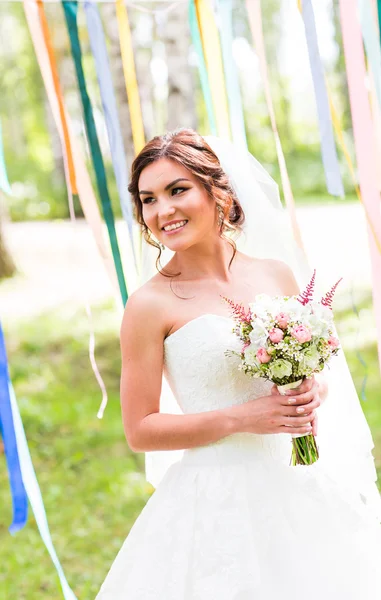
265 306
259 334
296 309
251 356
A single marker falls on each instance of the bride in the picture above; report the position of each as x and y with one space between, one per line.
231 519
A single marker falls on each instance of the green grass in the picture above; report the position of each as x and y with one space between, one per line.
92 485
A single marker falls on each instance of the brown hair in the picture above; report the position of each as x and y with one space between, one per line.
189 149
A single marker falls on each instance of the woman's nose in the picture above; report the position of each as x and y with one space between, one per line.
166 209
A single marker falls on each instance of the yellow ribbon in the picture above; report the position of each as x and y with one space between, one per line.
213 59
255 20
130 76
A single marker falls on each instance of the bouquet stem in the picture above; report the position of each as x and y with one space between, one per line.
304 447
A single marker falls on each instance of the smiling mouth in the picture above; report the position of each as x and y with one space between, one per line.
175 227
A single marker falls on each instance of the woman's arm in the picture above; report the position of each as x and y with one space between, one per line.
141 338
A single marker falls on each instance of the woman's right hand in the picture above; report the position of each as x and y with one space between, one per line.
277 414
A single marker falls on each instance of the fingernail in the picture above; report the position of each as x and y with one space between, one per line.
291 400
300 409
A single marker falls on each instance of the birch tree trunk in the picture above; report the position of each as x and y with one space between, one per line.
181 84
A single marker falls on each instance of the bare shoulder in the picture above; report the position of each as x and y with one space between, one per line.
144 313
284 276
276 270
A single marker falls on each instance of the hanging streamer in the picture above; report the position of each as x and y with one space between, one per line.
42 45
39 31
197 44
371 42
364 140
7 430
4 183
225 9
70 11
329 155
34 493
129 71
212 53
119 161
255 20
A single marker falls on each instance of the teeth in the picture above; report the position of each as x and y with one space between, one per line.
175 226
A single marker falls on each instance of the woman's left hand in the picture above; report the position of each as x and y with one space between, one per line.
310 384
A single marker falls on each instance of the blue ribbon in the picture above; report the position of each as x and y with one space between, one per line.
7 430
204 79
99 50
225 8
328 148
34 493
4 182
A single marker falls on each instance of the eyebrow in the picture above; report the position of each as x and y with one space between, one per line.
167 186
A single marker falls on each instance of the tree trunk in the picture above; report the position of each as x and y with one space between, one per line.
7 266
174 30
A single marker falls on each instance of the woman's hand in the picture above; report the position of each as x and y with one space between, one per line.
280 414
294 398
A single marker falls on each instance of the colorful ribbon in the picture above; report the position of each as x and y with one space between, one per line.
364 141
34 493
70 12
7 430
197 44
213 60
329 154
132 88
119 161
4 182
40 36
225 8
371 39
255 19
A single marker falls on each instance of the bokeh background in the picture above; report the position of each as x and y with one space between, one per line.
92 484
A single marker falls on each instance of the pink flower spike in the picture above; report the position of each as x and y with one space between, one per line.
240 314
306 296
327 299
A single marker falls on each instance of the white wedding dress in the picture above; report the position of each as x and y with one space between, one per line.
232 520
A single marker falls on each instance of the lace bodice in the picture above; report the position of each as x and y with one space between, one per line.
201 376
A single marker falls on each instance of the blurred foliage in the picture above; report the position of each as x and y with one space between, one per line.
92 484
32 147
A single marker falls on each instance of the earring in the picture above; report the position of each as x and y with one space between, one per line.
220 215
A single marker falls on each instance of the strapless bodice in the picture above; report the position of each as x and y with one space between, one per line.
201 376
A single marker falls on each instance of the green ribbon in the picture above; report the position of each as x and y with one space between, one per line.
379 14
71 10
204 79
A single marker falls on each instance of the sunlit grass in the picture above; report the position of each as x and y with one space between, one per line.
93 486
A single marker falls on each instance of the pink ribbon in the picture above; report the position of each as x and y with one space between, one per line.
365 143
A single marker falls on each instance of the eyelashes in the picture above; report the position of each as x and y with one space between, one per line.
148 199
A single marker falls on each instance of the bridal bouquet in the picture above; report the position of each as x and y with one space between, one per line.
284 340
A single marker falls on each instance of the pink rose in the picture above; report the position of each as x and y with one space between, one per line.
276 335
282 320
333 342
301 333
263 356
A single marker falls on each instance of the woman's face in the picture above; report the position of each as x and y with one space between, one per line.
176 207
